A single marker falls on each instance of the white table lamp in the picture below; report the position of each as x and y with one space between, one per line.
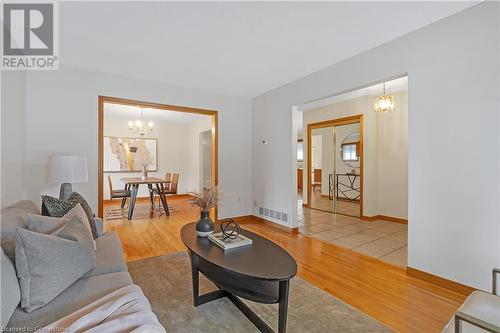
64 169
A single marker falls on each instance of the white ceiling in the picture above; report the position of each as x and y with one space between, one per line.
236 48
391 87
132 113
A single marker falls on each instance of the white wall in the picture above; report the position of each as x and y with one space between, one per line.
453 68
392 159
175 144
13 136
61 118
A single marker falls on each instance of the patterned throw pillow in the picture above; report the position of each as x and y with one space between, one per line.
76 198
58 208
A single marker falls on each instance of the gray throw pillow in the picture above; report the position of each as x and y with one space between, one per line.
78 212
45 224
48 264
58 208
13 219
10 293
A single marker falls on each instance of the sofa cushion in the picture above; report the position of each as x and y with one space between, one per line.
10 292
48 264
14 216
81 293
109 255
25 205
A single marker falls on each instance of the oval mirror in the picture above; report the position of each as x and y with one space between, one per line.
350 150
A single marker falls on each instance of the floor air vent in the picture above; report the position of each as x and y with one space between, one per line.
274 214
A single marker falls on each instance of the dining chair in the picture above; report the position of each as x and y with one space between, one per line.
169 189
117 194
154 191
168 176
316 179
172 188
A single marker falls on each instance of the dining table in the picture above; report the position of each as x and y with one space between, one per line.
132 184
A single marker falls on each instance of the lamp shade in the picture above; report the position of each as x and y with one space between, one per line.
68 169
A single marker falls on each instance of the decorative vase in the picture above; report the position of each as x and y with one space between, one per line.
144 174
204 226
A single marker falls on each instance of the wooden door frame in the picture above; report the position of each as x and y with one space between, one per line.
330 123
100 139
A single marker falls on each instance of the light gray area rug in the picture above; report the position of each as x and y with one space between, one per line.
166 281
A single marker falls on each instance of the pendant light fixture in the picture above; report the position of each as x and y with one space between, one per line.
140 127
384 103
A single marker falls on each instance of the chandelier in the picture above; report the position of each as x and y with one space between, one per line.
139 126
384 103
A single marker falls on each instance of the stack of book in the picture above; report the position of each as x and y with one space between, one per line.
228 243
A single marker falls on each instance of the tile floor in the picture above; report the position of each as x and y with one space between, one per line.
387 241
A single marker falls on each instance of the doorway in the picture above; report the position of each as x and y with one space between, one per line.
173 113
205 159
335 165
356 170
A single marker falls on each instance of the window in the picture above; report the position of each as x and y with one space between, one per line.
350 152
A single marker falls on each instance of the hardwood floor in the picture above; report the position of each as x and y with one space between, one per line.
321 202
148 234
383 291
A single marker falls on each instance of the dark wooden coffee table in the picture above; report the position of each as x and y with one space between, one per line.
260 272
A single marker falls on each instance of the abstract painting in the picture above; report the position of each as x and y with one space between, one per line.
130 154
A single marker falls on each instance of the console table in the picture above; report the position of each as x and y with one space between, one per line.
348 183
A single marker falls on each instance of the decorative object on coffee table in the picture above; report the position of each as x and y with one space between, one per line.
204 226
226 243
230 236
144 174
65 169
206 199
260 273
230 229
